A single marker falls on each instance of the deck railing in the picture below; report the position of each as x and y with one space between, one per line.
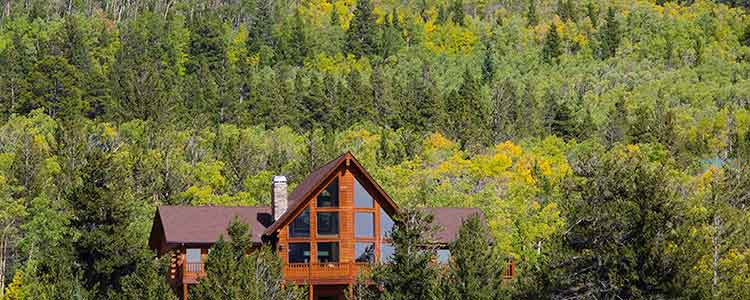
308 271
327 270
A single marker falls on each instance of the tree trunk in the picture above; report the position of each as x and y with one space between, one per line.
6 13
715 262
3 242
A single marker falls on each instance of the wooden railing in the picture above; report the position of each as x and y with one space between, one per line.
329 270
192 271
510 270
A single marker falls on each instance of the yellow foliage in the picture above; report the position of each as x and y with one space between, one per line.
14 291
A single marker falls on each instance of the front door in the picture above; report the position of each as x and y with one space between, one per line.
329 292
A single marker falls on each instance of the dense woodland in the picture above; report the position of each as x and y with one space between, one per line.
607 142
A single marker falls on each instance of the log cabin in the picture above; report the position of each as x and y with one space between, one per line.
334 223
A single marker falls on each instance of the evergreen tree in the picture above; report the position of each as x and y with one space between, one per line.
361 36
592 10
144 77
475 270
73 44
260 39
410 275
558 119
442 16
552 49
147 281
297 45
55 86
623 217
104 209
231 274
207 46
610 35
745 37
457 12
392 39
531 16
467 118
488 64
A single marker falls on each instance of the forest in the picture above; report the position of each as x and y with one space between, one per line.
606 142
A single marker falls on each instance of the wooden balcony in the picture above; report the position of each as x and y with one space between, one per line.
191 272
331 272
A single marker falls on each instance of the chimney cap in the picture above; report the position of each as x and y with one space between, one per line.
279 178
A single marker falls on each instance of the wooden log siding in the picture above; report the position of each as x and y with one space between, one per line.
345 270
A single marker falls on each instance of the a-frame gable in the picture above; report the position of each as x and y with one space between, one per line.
319 179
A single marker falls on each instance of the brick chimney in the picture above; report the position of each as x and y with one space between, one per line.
278 197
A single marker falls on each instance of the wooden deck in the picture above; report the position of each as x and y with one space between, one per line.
323 273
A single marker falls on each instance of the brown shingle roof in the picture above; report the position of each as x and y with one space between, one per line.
204 224
449 220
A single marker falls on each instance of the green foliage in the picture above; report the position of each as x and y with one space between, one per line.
623 215
410 275
552 49
147 281
531 15
475 270
361 36
233 274
107 111
457 12
609 35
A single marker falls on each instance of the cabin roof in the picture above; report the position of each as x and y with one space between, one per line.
204 224
449 221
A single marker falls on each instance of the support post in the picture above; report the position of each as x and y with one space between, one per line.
310 291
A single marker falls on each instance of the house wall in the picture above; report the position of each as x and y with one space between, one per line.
347 268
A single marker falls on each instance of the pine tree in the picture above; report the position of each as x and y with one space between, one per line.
558 118
147 281
56 87
442 16
531 16
295 48
625 212
552 51
610 35
232 274
488 64
467 119
592 10
207 46
260 39
475 270
410 275
361 36
457 12
103 210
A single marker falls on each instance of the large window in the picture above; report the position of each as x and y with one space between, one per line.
364 252
300 227
328 252
330 196
443 256
193 255
364 225
328 223
299 252
386 253
386 224
362 198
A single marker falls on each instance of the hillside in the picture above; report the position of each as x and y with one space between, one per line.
607 142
